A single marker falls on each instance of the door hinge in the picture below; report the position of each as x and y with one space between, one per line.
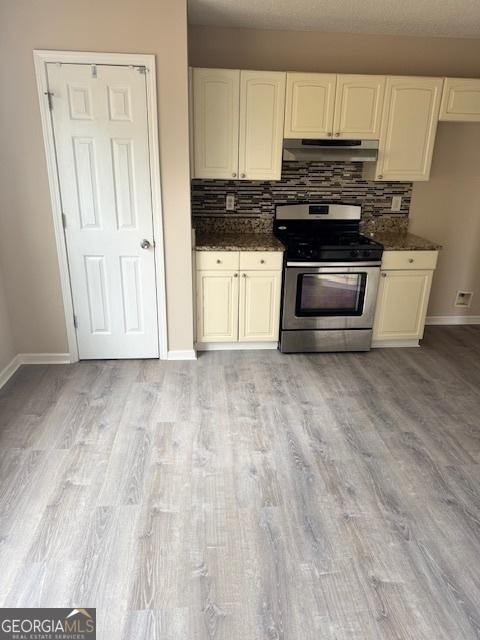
94 71
64 220
49 95
142 69
75 321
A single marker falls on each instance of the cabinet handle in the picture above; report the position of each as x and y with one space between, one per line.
384 275
329 134
219 262
244 275
235 275
234 175
262 261
337 134
380 177
411 260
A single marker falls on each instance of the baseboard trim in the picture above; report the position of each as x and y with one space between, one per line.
31 358
235 346
45 358
379 344
453 320
187 354
9 370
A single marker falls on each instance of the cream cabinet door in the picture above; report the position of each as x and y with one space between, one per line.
358 106
215 123
409 125
461 100
402 305
310 103
262 108
259 306
217 306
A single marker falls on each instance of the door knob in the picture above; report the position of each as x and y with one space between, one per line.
145 244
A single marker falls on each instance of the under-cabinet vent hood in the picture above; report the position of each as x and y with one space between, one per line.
302 150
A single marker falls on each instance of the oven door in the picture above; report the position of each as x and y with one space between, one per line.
330 295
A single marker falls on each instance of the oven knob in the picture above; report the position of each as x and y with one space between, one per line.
354 253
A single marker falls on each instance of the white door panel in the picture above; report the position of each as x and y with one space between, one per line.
101 139
461 100
217 306
259 306
262 105
310 104
216 122
402 304
409 126
358 106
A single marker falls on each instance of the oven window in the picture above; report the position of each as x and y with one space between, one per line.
330 294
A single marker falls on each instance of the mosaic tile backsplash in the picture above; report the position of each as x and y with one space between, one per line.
301 182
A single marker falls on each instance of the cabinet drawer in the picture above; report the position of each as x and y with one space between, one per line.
221 260
409 260
268 260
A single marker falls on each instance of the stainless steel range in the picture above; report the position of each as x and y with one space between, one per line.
331 278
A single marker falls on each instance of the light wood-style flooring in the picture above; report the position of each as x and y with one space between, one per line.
249 495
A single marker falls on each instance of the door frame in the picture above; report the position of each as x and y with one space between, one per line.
41 58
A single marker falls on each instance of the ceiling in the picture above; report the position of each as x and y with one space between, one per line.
451 18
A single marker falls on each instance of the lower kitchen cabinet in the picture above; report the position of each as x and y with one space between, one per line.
403 297
217 305
259 308
238 297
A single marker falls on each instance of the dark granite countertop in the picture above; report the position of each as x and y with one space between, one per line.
248 241
218 241
403 241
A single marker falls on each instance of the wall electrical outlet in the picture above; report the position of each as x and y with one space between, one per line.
463 298
396 203
230 202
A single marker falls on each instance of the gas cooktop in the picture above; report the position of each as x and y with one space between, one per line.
348 247
324 232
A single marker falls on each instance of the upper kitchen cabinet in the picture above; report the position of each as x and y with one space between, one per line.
215 105
237 124
460 100
310 103
409 125
262 108
322 105
358 106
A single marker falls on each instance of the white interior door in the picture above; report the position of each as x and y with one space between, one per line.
101 140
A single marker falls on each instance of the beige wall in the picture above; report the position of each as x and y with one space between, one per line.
26 231
332 52
7 346
447 210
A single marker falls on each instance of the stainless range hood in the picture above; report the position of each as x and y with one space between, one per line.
302 150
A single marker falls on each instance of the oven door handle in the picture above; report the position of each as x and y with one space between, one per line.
333 265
